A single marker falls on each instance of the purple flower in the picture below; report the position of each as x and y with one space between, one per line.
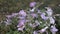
21 23
53 29
43 16
22 12
32 4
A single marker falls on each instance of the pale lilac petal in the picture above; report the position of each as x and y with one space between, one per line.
49 11
34 15
21 23
22 12
43 16
38 11
43 30
21 28
35 32
32 4
52 21
53 29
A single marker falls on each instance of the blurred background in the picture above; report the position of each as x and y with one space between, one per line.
12 6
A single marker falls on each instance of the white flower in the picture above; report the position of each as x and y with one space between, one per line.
21 28
32 10
37 23
52 21
49 11
35 32
43 30
38 11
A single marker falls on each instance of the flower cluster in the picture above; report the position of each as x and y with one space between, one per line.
33 18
